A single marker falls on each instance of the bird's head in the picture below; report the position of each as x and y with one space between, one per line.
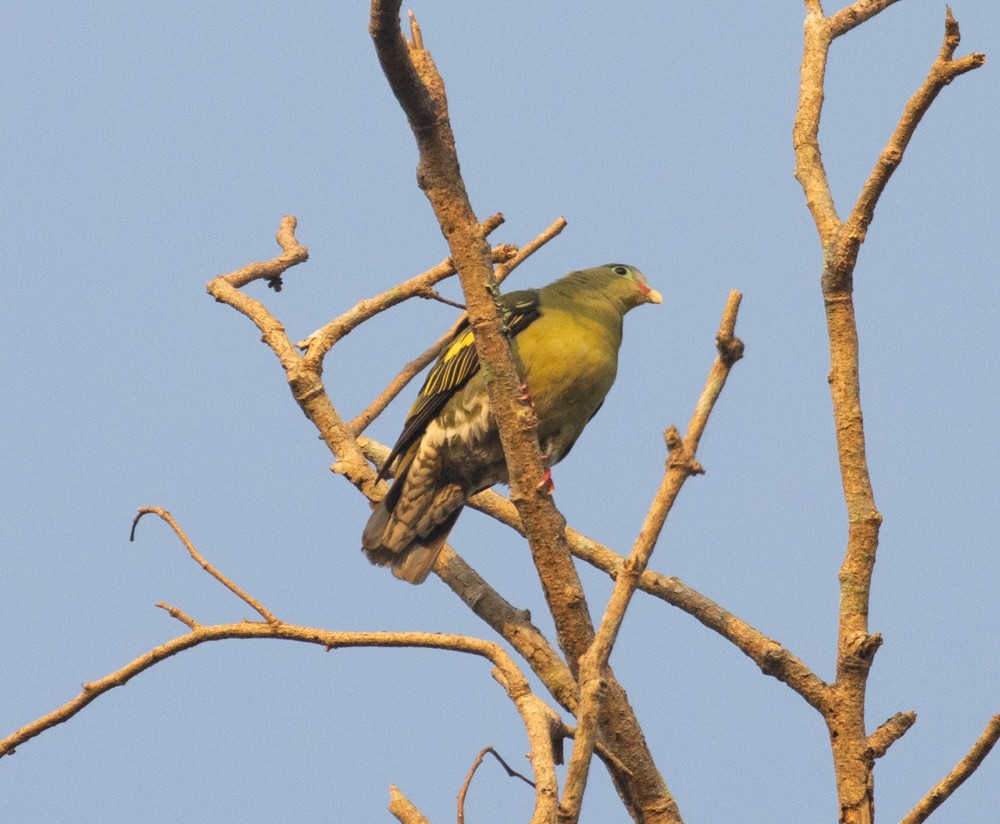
614 285
629 284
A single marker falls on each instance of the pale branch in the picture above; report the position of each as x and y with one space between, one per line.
179 614
772 658
809 169
856 14
433 294
477 762
535 714
272 270
942 72
317 344
239 592
889 732
681 464
399 383
853 750
420 91
951 782
304 379
503 271
402 809
506 265
512 624
226 289
820 32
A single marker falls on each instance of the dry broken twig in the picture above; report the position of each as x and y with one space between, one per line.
205 565
512 773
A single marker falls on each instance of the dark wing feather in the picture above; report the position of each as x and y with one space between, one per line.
457 364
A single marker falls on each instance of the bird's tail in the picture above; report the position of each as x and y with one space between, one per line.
412 562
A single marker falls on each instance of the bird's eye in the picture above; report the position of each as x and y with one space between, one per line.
621 270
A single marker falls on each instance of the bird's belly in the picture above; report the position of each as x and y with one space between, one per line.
568 382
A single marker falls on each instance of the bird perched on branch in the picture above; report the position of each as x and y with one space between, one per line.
566 337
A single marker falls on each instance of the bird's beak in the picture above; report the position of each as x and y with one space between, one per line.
652 296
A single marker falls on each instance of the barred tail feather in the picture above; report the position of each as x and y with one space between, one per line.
412 562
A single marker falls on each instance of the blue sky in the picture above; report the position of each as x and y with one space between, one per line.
151 147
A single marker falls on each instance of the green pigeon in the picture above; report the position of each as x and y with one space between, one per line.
565 337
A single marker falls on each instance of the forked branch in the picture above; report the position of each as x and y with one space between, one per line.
536 715
200 560
854 751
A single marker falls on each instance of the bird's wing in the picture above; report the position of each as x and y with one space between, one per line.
457 364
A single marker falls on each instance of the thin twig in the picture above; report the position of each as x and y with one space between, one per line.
270 270
502 272
943 71
317 344
512 773
507 263
399 383
681 464
205 565
532 710
180 615
433 294
951 782
304 375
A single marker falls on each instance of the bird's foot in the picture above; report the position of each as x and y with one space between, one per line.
546 484
525 396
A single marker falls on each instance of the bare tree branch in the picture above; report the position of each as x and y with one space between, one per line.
963 769
205 565
889 732
323 339
853 751
534 712
179 614
304 377
512 773
772 658
856 14
402 808
681 464
420 91
809 169
941 73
